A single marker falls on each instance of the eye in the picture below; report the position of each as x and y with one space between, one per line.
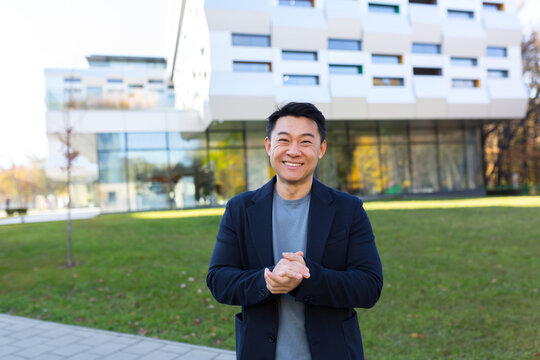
283 140
306 142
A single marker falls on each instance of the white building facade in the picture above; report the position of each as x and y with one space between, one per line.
404 85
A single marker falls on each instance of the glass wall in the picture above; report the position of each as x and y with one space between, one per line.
149 171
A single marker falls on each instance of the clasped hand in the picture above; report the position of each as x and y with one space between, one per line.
287 274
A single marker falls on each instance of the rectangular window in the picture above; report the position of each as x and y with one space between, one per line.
344 44
386 59
489 6
297 3
494 51
383 8
309 80
344 69
460 14
72 80
250 40
459 61
252 66
465 83
115 81
427 71
497 74
387 81
426 2
135 86
155 81
299 55
422 48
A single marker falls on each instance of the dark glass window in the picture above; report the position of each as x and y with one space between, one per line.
299 55
135 86
427 71
186 140
155 140
250 66
289 79
344 44
250 40
344 69
487 6
495 51
460 14
459 61
420 48
426 2
298 3
383 8
387 81
155 81
72 80
495 73
386 59
465 83
111 167
115 81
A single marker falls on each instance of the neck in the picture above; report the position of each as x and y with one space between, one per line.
288 191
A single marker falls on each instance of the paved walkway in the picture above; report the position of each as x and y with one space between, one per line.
22 339
50 215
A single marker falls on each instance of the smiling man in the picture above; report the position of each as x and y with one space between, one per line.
296 255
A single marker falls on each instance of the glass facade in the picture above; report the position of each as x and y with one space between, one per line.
151 171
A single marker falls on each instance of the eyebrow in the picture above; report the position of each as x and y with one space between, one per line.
304 134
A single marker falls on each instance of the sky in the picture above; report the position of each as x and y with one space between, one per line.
37 34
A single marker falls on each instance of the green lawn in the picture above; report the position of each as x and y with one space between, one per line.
461 277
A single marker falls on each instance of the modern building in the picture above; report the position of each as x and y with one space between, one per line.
405 86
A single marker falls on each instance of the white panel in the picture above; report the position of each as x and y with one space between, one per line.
467 103
386 102
426 23
298 28
238 107
389 34
242 84
349 93
464 38
344 19
426 60
246 16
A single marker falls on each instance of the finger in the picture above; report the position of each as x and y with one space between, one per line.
294 257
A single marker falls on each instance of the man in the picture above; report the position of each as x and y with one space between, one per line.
297 255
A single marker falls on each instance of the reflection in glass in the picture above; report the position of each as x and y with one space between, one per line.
185 140
424 168
450 131
154 140
422 131
259 170
148 180
365 174
111 167
189 179
396 176
333 169
393 131
111 141
452 157
225 138
227 168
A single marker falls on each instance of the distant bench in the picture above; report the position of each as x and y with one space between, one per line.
20 211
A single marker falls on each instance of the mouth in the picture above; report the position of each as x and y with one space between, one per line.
291 164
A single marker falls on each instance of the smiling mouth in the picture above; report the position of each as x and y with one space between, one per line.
292 164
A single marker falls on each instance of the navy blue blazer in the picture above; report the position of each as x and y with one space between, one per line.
343 261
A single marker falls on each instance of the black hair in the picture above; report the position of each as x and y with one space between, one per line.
298 109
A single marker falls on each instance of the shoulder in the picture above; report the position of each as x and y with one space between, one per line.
340 198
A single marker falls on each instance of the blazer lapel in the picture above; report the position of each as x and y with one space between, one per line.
260 223
321 216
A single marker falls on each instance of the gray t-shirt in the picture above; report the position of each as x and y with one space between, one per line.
289 234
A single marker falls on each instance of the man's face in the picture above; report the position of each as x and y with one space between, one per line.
294 149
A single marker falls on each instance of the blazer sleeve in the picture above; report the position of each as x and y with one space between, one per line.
359 285
228 279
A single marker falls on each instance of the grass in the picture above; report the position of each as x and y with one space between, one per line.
461 277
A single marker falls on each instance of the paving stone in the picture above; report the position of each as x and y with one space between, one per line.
198 355
143 348
64 340
128 340
161 355
28 342
226 357
58 332
121 356
35 351
71 349
26 333
5 340
85 356
177 349
5 350
50 357
98 339
12 357
106 349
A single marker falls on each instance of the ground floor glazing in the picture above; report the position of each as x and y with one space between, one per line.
172 170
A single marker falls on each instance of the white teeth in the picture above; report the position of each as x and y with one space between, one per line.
291 164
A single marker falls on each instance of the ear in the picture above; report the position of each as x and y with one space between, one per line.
322 149
267 145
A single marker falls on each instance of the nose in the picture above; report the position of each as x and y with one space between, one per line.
293 149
